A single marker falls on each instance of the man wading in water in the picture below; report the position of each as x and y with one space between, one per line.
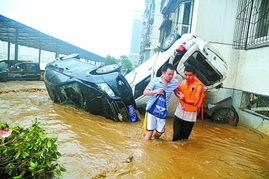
191 96
165 83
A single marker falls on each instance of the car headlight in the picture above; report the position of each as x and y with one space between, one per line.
104 87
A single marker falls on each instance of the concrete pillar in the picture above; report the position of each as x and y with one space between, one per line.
16 45
8 51
56 51
39 56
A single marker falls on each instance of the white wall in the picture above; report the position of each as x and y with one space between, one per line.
248 70
214 22
253 71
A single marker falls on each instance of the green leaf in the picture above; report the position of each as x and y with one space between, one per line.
58 173
24 154
49 144
40 170
17 154
32 164
48 163
62 169
22 173
31 168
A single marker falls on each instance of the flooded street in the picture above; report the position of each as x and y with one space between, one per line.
95 147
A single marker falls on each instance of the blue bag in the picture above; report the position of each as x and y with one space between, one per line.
158 107
132 113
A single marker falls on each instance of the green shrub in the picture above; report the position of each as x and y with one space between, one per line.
28 152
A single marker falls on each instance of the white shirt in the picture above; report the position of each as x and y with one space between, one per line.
185 115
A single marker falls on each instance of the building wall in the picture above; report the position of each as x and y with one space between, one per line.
155 28
136 38
252 71
137 23
247 69
152 20
214 22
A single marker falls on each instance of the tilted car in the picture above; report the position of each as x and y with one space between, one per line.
179 50
99 90
19 70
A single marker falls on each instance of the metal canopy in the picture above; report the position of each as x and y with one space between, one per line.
12 31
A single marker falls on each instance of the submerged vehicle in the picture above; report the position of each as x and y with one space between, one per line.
180 51
99 90
19 70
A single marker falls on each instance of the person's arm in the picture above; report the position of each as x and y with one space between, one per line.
149 92
177 91
197 96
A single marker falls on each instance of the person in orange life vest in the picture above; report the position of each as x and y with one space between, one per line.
191 96
154 125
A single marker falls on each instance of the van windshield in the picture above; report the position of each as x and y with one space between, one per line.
205 73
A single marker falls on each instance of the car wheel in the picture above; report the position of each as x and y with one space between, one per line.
107 69
226 115
169 41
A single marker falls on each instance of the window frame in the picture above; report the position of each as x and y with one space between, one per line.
255 104
250 17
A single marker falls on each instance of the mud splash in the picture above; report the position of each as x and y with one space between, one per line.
95 147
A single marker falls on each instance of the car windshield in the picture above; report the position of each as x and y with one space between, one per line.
3 65
206 74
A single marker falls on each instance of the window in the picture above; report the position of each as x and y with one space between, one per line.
3 65
256 104
252 24
182 22
184 17
30 67
186 14
263 17
165 30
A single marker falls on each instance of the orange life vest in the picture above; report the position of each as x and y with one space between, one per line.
189 94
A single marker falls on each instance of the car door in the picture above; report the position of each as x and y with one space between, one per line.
31 72
16 72
140 99
3 71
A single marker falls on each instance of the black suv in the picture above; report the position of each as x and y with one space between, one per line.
19 70
100 90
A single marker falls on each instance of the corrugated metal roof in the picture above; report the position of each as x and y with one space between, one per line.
30 37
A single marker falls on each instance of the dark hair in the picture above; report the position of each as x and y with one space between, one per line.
189 68
166 66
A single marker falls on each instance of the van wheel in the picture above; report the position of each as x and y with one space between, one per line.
169 41
226 115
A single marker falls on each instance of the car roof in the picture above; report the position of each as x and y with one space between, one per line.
16 62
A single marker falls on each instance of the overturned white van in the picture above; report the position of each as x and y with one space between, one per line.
179 50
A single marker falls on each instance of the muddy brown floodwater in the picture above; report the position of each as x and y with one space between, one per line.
95 147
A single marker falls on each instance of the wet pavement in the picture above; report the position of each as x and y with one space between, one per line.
95 147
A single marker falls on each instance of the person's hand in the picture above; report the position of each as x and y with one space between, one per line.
181 96
177 93
159 91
